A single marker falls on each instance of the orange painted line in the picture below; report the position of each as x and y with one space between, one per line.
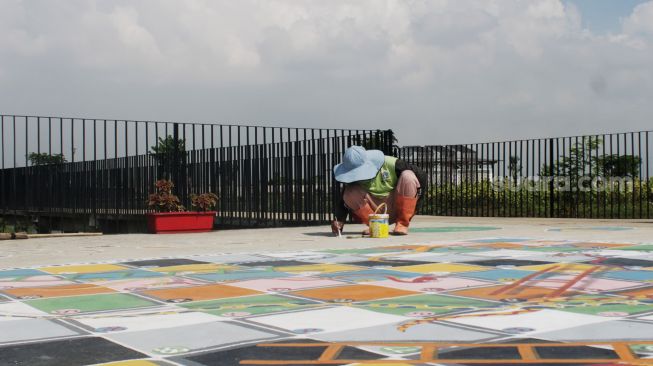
450 344
442 361
527 352
429 352
624 352
523 280
331 352
572 282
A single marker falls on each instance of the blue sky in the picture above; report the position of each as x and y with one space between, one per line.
604 15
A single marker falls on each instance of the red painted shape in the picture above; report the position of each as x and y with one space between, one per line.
180 222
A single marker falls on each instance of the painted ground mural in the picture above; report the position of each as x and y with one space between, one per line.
493 301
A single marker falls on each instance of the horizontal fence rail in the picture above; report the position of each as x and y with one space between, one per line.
592 176
58 171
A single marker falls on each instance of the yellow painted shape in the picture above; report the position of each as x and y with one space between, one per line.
194 268
562 267
131 363
321 268
85 268
440 267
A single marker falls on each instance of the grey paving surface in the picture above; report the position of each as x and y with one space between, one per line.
31 252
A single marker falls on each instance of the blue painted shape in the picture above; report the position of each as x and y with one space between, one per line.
368 275
629 275
115 275
239 275
21 273
496 274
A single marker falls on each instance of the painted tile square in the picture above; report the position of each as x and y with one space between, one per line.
32 281
504 293
138 322
251 305
33 329
185 269
197 293
84 268
309 269
110 276
166 262
431 283
326 320
527 323
442 268
142 284
499 275
97 350
352 293
58 291
407 332
418 306
89 303
368 275
590 284
240 274
17 274
286 284
184 339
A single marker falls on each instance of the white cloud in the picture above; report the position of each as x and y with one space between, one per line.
458 70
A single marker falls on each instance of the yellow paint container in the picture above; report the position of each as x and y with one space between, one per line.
380 223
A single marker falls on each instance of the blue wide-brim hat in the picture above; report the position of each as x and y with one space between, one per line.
358 164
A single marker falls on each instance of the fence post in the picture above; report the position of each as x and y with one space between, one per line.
175 156
551 178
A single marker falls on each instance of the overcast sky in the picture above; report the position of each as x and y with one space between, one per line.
436 71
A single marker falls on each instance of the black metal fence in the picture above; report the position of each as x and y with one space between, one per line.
57 172
594 176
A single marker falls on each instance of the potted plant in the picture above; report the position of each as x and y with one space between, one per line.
171 216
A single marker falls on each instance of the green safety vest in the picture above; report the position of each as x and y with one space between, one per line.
385 180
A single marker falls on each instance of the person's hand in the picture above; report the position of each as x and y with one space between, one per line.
337 226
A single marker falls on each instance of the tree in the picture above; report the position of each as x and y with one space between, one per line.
37 159
514 168
616 165
168 146
170 154
376 141
579 161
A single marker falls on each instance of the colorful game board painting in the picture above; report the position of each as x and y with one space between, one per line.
485 301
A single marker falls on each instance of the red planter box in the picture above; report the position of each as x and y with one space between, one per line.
180 222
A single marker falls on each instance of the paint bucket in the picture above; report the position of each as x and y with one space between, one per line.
380 223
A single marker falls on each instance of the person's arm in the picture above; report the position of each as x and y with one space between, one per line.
340 211
401 165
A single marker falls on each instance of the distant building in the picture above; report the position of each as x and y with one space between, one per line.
450 163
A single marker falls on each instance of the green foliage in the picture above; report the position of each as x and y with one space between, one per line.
168 145
514 168
204 202
37 159
170 154
374 142
485 199
616 165
163 200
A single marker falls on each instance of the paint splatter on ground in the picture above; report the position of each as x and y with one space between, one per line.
489 301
